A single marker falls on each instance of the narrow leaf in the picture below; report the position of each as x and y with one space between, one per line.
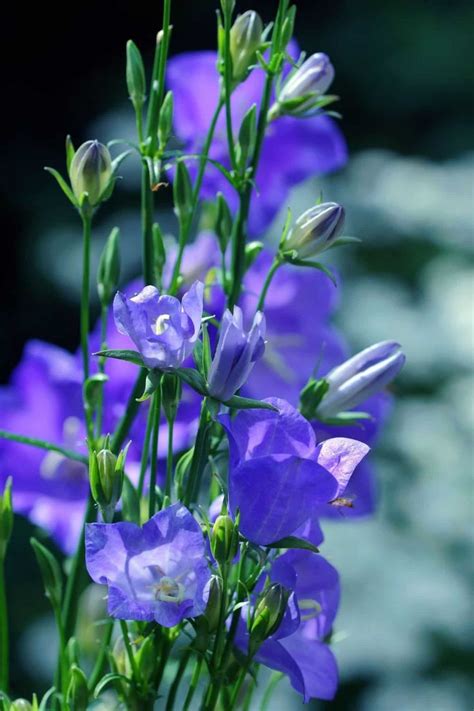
294 542
63 185
247 403
129 356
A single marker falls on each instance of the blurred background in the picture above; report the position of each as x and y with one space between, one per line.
405 73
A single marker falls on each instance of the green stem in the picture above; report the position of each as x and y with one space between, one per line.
62 671
3 630
240 681
86 258
145 452
71 594
103 347
129 415
185 230
99 666
156 406
177 680
129 650
158 79
169 459
199 459
251 689
42 444
275 265
216 659
275 679
147 210
239 233
194 683
228 89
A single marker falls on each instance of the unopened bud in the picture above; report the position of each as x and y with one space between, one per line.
245 39
145 659
223 224
90 172
171 389
360 377
108 273
106 473
77 692
166 120
212 612
315 230
6 517
301 91
224 539
20 705
268 614
182 191
135 75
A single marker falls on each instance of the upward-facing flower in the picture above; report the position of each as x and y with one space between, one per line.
309 81
236 353
279 477
315 230
163 329
157 572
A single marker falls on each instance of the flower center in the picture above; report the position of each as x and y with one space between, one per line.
169 590
161 324
311 609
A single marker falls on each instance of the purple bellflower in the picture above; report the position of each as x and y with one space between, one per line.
293 149
361 376
298 650
274 456
236 353
163 329
156 572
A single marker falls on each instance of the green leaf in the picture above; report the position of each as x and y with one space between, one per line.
108 679
129 356
294 542
347 418
50 572
117 162
247 403
152 383
63 185
192 378
314 265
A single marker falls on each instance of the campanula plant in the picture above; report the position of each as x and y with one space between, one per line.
186 456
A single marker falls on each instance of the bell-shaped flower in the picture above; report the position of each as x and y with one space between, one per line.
156 572
163 329
236 353
279 477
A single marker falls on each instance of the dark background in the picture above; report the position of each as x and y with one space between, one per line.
405 73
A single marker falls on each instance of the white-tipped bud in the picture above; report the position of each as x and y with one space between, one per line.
315 230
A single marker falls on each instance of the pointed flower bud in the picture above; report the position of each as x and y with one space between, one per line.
108 273
135 74
315 230
224 539
360 377
106 473
91 172
171 389
166 120
212 613
20 705
236 354
6 517
77 692
245 39
301 91
268 614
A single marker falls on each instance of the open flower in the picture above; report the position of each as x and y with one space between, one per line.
157 572
297 647
279 477
236 353
163 329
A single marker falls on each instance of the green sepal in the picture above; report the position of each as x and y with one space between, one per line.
252 250
247 137
223 223
313 265
130 502
311 395
292 542
286 229
50 573
165 123
70 150
128 355
152 383
77 692
108 679
159 252
346 418
193 378
63 185
6 517
45 700
92 388
182 191
343 241
247 403
108 272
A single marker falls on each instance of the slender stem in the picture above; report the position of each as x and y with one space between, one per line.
240 681
184 231
3 630
216 659
250 690
145 452
156 406
275 265
129 650
71 594
147 209
274 680
43 444
177 680
239 232
103 347
169 458
131 410
199 459
194 683
158 78
86 258
228 88
99 666
62 671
